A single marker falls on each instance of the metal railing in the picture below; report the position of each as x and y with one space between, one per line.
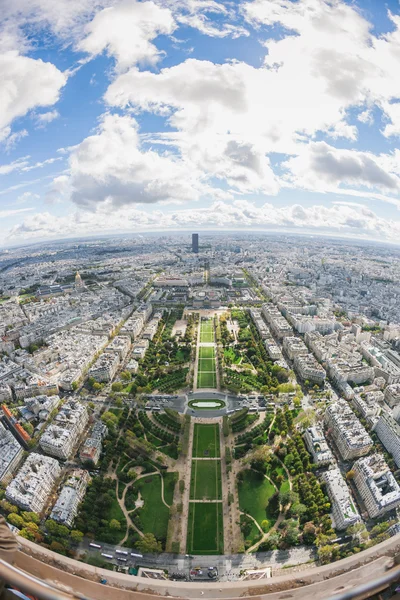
28 584
32 586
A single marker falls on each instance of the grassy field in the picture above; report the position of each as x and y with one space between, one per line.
205 482
254 493
154 515
206 364
207 331
206 377
170 480
205 528
206 441
206 352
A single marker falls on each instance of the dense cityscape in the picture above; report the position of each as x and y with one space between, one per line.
168 398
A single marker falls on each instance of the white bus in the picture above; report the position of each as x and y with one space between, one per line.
122 559
107 555
121 552
137 555
94 545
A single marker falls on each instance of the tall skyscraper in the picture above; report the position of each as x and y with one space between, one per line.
195 243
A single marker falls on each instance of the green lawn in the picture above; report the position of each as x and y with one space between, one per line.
254 493
206 352
207 364
170 480
206 441
205 528
154 515
205 481
229 353
206 379
207 331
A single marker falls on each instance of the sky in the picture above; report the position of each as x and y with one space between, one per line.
157 115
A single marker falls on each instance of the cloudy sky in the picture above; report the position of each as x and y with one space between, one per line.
191 114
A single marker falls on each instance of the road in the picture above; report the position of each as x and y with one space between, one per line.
229 565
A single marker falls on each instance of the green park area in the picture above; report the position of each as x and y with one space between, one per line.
206 441
206 377
205 481
206 331
254 494
205 528
154 515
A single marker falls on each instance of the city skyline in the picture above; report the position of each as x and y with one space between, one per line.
213 115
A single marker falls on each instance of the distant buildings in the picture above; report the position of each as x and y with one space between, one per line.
195 243
350 436
71 495
34 482
344 511
376 485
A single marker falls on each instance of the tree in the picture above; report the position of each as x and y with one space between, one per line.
265 525
97 386
16 520
309 532
149 544
30 517
76 536
115 525
350 474
117 386
57 547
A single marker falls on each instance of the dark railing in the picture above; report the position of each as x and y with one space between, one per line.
28 584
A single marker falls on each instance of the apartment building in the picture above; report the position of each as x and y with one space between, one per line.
294 346
91 449
367 406
105 367
309 369
61 437
278 324
376 485
120 345
344 511
304 324
388 431
34 482
392 395
5 393
317 446
349 435
11 453
71 495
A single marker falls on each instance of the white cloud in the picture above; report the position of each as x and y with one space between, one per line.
354 221
322 168
126 32
16 165
26 84
112 167
47 117
27 197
